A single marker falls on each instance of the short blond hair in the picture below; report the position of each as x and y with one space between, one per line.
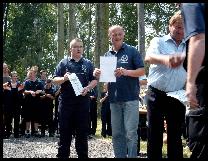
73 41
177 17
111 28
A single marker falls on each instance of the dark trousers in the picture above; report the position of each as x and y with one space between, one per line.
74 117
9 115
160 106
106 121
93 117
56 114
47 119
198 125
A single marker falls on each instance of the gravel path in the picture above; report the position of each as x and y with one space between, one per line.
47 148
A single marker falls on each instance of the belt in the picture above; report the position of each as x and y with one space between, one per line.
157 90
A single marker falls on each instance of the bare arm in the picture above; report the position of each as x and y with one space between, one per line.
103 99
133 73
91 85
60 80
171 61
196 55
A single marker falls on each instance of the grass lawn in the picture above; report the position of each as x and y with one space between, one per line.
143 144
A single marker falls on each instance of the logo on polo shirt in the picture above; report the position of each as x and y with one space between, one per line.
84 68
124 59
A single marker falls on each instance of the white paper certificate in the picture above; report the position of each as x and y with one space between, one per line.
107 67
76 84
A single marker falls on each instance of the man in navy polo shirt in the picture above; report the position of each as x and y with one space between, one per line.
123 94
74 110
197 82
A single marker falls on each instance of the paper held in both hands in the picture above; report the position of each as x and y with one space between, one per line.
76 84
180 95
107 67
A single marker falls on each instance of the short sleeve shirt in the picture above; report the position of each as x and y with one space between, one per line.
125 88
194 20
33 85
160 76
84 71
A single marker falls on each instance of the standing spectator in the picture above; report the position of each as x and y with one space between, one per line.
93 111
166 74
47 109
197 82
6 78
74 110
6 73
13 99
33 89
43 77
105 112
123 94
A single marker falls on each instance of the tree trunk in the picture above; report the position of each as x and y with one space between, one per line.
90 30
72 22
101 42
141 29
60 28
5 12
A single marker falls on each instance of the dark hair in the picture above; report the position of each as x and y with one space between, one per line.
42 71
48 81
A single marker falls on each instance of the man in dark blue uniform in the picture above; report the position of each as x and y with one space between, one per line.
197 82
74 110
123 94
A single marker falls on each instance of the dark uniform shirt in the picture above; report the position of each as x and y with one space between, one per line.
51 91
125 88
84 71
33 85
13 97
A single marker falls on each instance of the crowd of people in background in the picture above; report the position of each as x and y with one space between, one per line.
29 108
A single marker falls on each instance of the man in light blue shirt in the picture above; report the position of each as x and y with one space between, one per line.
166 73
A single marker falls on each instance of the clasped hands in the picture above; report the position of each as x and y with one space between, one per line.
173 61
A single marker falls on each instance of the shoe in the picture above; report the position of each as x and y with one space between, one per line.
16 136
103 134
51 135
90 136
27 135
43 133
36 134
6 137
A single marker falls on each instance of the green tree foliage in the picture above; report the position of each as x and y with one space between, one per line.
129 22
30 36
31 30
157 16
